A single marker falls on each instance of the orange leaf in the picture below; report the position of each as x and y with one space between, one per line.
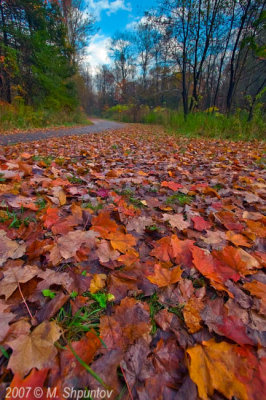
164 276
34 380
238 259
191 313
257 289
213 269
51 217
171 185
227 368
104 224
122 242
237 239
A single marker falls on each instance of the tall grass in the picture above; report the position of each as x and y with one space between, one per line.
199 124
21 116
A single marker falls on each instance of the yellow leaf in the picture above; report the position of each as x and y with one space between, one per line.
97 283
215 366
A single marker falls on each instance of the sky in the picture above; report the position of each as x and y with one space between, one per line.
112 16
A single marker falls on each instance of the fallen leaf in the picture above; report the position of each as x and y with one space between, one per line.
164 276
35 350
34 381
130 321
122 242
171 185
103 224
14 276
191 313
227 368
200 224
176 221
9 248
237 239
98 282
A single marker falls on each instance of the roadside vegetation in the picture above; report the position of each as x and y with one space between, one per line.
19 117
210 123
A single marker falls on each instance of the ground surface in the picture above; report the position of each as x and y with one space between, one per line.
133 261
98 126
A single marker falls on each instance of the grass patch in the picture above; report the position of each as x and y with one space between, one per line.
180 198
85 319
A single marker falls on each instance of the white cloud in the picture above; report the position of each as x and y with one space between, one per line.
142 21
97 52
110 7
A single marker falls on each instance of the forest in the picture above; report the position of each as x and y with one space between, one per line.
203 58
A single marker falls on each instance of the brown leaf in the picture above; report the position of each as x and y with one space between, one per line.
9 248
106 253
176 221
69 244
191 313
35 350
14 276
130 321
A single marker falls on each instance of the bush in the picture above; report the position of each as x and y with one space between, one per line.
21 116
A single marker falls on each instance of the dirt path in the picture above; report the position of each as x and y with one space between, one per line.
99 125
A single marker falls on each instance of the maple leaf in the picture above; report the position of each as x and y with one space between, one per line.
35 350
35 379
161 249
103 224
14 276
257 289
213 269
9 248
257 227
237 239
216 317
214 238
171 185
227 368
106 253
5 318
59 193
171 247
139 224
165 276
71 369
130 258
69 244
97 283
191 313
200 224
130 321
229 220
51 217
122 242
238 259
176 221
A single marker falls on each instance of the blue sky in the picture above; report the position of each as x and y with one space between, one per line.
112 16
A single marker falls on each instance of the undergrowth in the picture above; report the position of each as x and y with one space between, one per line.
198 124
21 116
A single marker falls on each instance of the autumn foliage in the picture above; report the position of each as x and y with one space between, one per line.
163 237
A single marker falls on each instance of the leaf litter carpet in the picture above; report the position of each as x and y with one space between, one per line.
133 260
